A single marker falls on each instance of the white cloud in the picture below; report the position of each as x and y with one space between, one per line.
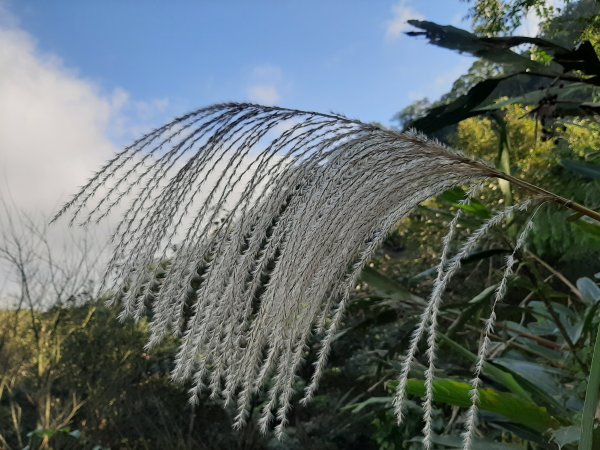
398 24
53 125
265 87
266 94
56 128
53 135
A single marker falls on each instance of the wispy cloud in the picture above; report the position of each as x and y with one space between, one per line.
265 86
402 12
54 133
53 125
56 127
266 94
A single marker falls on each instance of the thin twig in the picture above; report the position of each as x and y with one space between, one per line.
558 275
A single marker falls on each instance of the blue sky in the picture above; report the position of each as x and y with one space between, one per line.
80 79
330 55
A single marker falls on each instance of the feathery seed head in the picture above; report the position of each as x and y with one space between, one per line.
246 230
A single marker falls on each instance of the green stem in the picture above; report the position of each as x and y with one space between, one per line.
503 160
591 399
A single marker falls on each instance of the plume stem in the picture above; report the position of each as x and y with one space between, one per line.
580 209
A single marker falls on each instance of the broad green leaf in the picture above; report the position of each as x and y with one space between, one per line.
526 375
461 108
510 406
568 100
590 291
588 227
490 370
591 401
496 50
542 376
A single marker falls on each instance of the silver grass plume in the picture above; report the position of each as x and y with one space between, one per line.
499 294
248 267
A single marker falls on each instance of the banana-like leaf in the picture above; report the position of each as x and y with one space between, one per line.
494 49
498 49
568 100
460 109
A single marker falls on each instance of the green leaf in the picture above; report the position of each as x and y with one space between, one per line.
588 227
358 407
484 295
498 49
591 400
477 444
470 258
490 370
493 49
510 406
543 377
568 100
477 209
590 291
461 108
584 169
387 287
588 319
